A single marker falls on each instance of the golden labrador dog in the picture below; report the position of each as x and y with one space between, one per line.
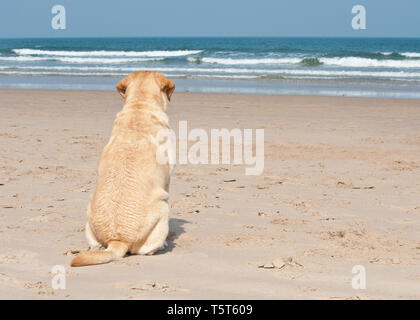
128 212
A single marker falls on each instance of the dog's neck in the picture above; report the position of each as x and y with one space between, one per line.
141 98
148 105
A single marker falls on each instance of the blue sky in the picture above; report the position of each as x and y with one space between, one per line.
138 18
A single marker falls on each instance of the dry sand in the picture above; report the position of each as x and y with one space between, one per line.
341 187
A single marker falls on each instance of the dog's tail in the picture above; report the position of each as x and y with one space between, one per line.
114 251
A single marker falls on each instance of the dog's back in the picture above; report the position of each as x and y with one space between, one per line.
130 181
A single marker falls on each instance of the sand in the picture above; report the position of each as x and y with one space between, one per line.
341 187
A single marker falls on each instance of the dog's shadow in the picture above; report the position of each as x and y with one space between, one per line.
176 228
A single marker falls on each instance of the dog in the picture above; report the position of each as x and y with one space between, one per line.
129 211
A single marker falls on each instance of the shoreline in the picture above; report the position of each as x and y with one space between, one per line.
215 94
285 87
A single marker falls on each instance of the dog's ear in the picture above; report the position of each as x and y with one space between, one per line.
122 86
166 85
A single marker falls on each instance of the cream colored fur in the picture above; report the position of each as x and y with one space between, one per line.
128 212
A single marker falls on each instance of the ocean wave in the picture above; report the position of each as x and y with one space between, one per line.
210 73
311 62
23 59
367 63
115 74
79 60
360 74
222 76
69 68
383 55
103 53
411 54
230 61
53 73
104 60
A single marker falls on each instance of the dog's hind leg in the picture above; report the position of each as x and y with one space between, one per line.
157 238
93 243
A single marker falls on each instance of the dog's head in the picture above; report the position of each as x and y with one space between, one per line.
146 84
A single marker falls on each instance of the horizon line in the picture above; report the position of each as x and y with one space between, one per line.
143 37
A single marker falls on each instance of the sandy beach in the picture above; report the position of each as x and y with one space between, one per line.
340 187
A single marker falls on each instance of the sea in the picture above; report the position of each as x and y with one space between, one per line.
357 67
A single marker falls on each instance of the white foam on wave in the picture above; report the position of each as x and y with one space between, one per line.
368 63
103 53
112 74
115 74
79 60
224 76
68 68
52 73
361 74
350 62
104 60
23 59
411 54
216 73
230 61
